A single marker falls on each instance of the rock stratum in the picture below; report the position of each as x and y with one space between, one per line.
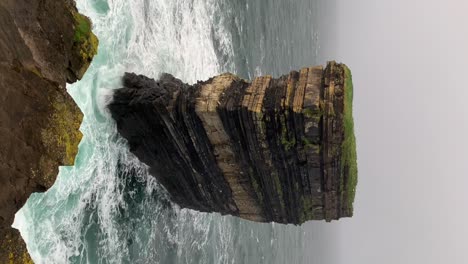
274 149
43 45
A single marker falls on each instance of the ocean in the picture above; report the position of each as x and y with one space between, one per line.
106 208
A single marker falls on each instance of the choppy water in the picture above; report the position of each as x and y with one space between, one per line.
107 209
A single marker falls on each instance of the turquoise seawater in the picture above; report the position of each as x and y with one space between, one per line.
107 209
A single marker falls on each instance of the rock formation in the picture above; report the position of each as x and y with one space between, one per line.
43 45
279 150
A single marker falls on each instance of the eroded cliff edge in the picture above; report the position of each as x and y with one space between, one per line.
43 45
279 150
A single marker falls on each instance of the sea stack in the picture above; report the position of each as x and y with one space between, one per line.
270 150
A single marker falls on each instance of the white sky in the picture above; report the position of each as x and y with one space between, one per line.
409 61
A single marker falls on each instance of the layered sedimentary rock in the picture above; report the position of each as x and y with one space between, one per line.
43 45
274 149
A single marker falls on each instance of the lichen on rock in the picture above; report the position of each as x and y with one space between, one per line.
15 247
85 44
61 137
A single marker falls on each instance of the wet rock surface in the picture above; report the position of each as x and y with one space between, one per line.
267 150
43 45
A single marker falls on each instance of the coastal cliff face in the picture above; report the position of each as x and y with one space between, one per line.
279 150
43 45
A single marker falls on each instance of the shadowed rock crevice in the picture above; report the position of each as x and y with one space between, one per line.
267 150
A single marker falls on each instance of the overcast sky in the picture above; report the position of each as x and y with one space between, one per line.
409 61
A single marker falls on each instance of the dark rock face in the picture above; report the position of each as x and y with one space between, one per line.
269 150
43 45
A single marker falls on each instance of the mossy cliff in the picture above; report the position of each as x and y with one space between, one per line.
279 150
43 45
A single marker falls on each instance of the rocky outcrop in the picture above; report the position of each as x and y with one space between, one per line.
43 45
279 150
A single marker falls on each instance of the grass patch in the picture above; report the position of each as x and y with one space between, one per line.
348 155
82 28
85 44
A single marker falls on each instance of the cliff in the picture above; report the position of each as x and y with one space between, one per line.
279 150
43 45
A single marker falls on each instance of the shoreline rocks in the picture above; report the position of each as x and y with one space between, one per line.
43 45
